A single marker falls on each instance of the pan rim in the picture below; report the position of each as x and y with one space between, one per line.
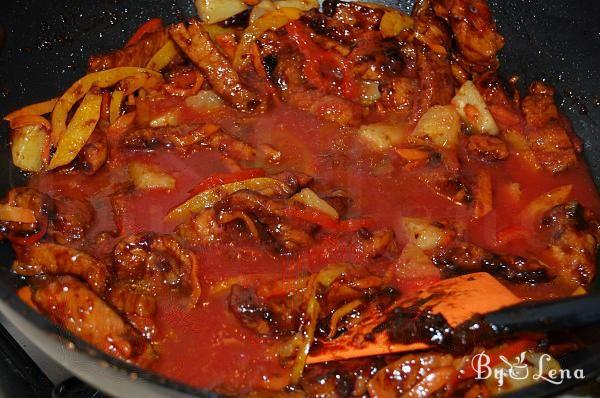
9 295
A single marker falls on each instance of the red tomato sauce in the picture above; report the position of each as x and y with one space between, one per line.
206 346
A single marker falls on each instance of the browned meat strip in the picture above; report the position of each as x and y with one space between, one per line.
327 26
288 234
254 202
31 199
202 229
293 180
572 234
487 148
413 373
137 54
139 308
50 258
154 263
546 132
435 78
231 146
93 155
463 258
375 244
70 220
176 136
440 172
474 31
205 227
75 307
353 15
197 45
327 107
341 378
187 135
258 315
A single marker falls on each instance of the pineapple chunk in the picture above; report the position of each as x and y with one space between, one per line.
440 126
473 111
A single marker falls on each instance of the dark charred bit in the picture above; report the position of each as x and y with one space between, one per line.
252 312
330 6
357 16
339 201
375 244
340 378
380 299
487 148
560 217
93 155
294 180
572 233
414 324
464 258
457 190
435 159
394 60
270 63
238 20
517 269
326 26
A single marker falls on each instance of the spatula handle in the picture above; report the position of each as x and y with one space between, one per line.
559 314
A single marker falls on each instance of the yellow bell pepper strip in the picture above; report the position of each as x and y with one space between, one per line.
30 147
79 130
131 84
102 79
163 57
273 20
116 101
41 108
211 196
16 214
302 341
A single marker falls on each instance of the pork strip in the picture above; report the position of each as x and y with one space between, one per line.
197 45
137 54
546 133
72 305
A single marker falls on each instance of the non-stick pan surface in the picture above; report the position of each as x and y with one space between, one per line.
44 46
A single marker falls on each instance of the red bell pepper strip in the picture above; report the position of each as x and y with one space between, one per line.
105 106
326 221
511 233
311 216
353 224
225 178
31 239
150 26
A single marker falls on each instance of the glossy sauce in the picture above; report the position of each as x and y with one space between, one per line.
207 346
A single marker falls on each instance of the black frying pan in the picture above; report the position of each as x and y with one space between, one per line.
44 46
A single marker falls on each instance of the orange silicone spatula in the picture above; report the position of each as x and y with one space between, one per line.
456 299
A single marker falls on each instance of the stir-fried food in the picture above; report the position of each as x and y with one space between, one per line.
247 201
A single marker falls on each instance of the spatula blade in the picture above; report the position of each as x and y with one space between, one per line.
457 299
